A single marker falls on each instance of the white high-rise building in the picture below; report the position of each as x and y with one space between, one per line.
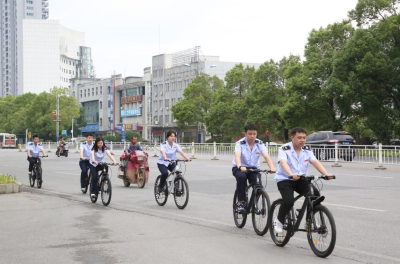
12 13
36 54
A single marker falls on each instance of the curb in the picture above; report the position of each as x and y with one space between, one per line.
10 188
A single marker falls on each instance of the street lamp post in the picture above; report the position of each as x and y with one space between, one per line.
72 131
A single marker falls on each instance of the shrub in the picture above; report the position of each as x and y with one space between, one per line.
5 178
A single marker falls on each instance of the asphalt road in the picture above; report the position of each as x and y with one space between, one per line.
59 224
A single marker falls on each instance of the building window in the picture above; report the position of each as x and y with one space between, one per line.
109 104
81 93
108 89
166 102
101 89
101 121
92 91
97 90
101 105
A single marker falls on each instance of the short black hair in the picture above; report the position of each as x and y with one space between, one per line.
133 137
169 133
298 130
35 136
250 127
89 135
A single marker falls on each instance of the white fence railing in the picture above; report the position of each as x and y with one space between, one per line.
344 153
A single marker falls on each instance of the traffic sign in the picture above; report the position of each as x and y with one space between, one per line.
29 134
123 136
64 132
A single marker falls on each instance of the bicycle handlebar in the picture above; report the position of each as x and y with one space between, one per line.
177 160
111 164
312 177
258 170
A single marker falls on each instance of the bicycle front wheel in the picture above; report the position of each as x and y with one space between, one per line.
181 193
161 197
321 231
240 219
106 191
141 178
260 212
280 239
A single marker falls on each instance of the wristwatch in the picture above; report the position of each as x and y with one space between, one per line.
239 167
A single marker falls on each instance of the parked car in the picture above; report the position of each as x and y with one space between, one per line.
323 144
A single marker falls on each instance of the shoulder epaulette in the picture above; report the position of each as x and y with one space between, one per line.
164 143
258 141
30 143
39 144
286 147
306 148
84 143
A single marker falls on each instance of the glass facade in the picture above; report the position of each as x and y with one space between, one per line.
91 111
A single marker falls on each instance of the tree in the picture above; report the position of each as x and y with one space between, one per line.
6 111
372 11
196 101
238 80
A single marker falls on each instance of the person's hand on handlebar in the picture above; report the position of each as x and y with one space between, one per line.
115 163
188 160
295 177
95 162
243 169
167 159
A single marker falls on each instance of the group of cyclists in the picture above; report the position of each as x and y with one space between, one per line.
293 160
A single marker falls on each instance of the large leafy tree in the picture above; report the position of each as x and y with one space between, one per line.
366 71
6 111
196 101
239 79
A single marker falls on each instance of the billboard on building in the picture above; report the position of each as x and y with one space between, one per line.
131 99
131 112
91 127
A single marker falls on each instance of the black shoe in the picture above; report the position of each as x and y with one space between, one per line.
160 189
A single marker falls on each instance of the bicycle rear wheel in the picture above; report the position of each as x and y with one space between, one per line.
39 177
162 197
321 231
141 178
88 179
181 192
106 191
279 239
240 219
260 210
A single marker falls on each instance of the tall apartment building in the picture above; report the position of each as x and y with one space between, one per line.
12 14
36 54
172 73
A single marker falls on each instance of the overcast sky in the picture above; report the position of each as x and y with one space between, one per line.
124 34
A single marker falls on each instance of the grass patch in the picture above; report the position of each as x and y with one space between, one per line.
5 178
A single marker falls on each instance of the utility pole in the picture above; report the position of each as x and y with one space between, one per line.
58 118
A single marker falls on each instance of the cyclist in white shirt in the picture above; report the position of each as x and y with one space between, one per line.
97 163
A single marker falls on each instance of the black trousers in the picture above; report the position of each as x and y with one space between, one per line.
84 164
241 181
95 176
287 189
32 161
164 172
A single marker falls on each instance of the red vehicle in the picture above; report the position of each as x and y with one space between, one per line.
134 168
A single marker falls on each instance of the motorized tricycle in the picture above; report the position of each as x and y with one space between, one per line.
134 168
64 147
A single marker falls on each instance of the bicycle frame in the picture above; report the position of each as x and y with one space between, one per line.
308 205
175 174
256 186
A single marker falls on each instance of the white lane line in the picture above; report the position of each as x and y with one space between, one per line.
356 207
366 176
349 206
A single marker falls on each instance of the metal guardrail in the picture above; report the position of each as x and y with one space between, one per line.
344 153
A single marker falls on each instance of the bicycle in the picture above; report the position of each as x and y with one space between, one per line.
88 180
258 206
320 224
37 173
104 186
180 188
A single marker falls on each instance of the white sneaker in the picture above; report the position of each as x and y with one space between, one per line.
83 189
29 172
278 226
93 195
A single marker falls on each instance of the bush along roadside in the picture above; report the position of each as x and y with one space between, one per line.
9 184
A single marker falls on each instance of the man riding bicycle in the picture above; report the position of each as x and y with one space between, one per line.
86 148
34 148
247 154
293 160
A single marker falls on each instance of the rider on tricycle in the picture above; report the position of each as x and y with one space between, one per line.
134 167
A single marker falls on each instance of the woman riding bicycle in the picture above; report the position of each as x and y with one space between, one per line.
96 163
168 152
86 149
